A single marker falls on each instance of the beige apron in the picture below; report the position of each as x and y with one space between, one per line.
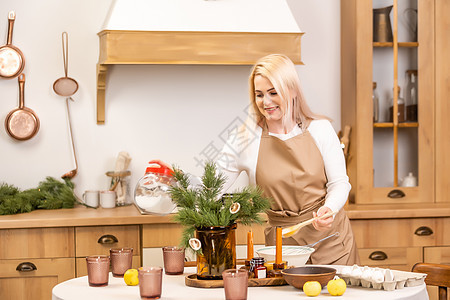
292 172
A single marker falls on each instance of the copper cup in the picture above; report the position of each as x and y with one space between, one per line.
121 260
150 282
98 270
235 283
173 260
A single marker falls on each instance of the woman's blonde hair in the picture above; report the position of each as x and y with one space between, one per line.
281 72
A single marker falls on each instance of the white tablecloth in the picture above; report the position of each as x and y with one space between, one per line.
174 288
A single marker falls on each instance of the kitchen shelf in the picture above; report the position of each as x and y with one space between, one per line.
400 44
391 125
118 47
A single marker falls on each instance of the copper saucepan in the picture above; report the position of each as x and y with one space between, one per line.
22 123
12 60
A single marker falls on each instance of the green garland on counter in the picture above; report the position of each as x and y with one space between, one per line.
50 194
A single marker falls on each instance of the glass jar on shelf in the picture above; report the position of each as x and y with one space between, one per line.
411 95
400 108
376 103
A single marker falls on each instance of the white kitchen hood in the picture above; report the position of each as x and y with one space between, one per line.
201 15
236 32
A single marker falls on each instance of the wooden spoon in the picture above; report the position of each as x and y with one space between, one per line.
290 231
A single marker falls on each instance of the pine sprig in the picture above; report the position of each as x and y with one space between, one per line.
204 206
50 194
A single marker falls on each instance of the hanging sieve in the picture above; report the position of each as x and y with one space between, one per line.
65 86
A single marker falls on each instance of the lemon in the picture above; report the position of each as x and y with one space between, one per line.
312 288
336 287
131 277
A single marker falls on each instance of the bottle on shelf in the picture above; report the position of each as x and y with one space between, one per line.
400 108
376 103
411 95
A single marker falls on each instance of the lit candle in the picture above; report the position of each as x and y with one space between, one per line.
278 254
249 245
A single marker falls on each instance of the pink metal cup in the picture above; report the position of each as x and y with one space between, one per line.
121 260
173 260
150 282
235 283
98 270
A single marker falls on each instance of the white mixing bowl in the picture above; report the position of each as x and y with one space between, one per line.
296 256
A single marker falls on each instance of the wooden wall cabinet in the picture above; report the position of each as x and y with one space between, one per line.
382 153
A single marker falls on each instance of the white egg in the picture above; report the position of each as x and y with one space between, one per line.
356 271
377 276
388 275
367 273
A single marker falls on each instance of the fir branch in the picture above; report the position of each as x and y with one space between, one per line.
203 207
50 194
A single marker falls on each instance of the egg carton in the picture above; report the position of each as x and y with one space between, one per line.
390 280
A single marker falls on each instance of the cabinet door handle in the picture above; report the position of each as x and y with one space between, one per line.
107 239
396 194
423 231
26 267
378 255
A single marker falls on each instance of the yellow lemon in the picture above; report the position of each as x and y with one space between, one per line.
312 288
131 277
336 287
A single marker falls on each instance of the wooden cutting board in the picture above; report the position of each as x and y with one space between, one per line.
193 281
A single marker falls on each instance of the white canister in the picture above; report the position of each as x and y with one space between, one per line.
90 198
410 180
108 199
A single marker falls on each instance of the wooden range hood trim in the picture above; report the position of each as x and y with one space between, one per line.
188 47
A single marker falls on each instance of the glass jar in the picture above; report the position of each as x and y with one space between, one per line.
151 195
411 95
376 103
400 108
120 183
258 268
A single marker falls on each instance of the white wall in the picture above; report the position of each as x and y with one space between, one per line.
163 112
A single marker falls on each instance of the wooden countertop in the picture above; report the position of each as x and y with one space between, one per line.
83 216
395 211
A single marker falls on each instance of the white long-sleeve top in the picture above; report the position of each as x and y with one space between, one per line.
240 153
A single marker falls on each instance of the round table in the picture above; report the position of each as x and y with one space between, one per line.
174 288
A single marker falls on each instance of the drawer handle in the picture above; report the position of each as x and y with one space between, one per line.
378 255
396 194
423 231
26 267
107 239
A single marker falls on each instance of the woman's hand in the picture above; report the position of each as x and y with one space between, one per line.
322 224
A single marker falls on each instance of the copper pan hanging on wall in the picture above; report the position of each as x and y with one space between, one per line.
12 60
22 123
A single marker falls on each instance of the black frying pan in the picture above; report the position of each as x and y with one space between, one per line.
22 123
12 61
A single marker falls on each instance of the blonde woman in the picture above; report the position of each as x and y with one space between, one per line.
296 158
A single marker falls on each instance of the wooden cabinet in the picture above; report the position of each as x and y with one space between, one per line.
442 101
97 240
400 243
382 153
156 236
32 261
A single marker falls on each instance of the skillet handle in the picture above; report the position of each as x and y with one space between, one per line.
11 18
21 79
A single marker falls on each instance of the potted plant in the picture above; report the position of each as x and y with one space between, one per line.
210 219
